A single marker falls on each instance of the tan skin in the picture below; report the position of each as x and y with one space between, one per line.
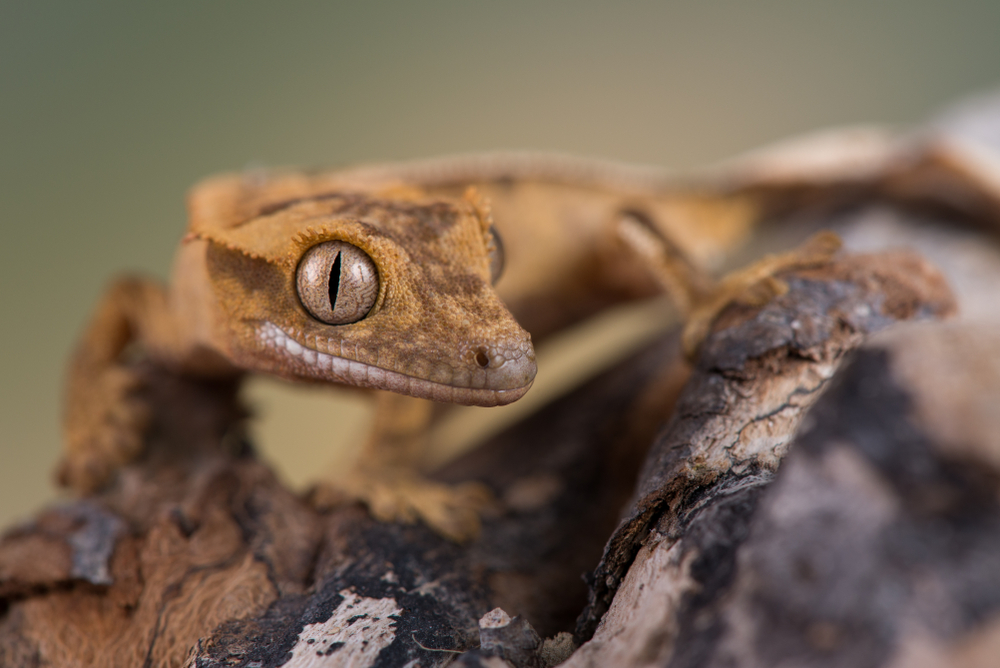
382 278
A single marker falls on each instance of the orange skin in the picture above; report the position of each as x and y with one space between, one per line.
437 329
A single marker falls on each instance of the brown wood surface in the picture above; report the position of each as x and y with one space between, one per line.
798 496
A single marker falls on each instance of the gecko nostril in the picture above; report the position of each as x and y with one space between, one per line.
482 359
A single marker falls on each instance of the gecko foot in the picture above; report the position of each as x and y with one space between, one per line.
700 299
754 285
452 511
104 427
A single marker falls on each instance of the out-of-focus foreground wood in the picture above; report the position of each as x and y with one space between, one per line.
818 496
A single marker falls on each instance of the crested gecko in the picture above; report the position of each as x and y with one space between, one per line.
388 278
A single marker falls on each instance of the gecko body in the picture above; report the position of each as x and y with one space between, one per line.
382 278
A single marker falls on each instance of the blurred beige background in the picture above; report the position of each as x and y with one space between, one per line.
110 110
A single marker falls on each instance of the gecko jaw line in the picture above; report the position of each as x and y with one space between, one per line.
359 374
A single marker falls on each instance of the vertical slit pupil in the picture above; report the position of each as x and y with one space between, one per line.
335 281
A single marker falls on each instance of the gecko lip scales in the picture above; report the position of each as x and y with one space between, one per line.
350 372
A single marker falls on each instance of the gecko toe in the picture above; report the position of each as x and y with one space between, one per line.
451 511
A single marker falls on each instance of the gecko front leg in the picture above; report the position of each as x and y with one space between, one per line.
104 419
105 415
388 477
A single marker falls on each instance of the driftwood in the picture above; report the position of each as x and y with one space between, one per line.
202 551
873 543
876 544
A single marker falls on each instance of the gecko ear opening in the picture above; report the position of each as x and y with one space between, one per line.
337 283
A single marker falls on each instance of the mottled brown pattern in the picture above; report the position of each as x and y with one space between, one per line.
438 329
435 302
200 555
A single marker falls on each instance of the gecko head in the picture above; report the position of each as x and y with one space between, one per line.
390 290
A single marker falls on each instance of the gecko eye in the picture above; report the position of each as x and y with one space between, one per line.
337 282
496 256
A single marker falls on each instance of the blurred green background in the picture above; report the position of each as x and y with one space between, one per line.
110 110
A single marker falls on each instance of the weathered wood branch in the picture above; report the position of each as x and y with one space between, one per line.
873 543
876 544
198 554
755 380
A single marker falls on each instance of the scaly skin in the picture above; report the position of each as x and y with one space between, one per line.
437 330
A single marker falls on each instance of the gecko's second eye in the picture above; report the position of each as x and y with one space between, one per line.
496 255
337 282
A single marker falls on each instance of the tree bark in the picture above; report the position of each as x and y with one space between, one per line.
720 516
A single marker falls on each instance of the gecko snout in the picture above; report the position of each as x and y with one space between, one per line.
506 367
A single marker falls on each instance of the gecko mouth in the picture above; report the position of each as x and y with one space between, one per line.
315 364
